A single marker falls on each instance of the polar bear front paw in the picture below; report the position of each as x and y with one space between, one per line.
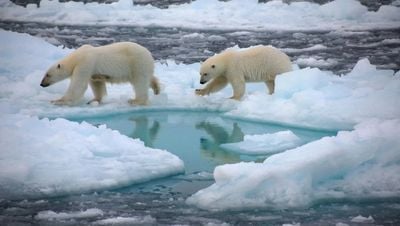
61 102
201 92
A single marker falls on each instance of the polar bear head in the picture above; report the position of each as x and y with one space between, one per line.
56 73
213 67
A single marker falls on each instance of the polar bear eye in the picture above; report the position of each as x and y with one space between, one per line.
213 66
58 66
205 74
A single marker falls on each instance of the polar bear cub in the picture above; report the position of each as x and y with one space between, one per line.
94 66
256 64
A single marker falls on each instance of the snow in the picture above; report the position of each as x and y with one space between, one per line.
313 62
42 157
265 143
354 164
55 157
87 158
212 14
318 99
348 9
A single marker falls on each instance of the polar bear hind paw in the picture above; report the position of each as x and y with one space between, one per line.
137 102
94 102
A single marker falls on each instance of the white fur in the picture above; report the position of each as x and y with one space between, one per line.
256 64
115 63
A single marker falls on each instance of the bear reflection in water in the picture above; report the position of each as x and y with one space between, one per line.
195 138
211 148
144 131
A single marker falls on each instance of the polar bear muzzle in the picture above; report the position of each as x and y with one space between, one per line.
204 78
45 81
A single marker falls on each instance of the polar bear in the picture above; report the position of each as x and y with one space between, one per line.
114 63
255 64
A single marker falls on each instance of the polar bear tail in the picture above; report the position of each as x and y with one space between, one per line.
155 85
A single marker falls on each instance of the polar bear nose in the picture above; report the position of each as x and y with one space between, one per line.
44 83
202 82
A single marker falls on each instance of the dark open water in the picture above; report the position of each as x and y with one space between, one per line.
343 50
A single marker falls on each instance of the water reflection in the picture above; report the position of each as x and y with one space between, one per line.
210 148
196 140
144 131
195 137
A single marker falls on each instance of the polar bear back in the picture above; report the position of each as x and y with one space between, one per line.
259 63
121 62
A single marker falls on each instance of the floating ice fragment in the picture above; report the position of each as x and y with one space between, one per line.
265 143
51 215
361 219
341 224
146 220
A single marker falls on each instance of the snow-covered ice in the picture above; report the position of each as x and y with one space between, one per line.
354 164
212 14
313 62
265 143
42 156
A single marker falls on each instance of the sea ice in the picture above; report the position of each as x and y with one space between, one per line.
146 220
51 215
313 62
338 14
354 164
317 47
361 219
44 157
265 143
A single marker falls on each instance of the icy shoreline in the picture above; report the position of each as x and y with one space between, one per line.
347 165
339 14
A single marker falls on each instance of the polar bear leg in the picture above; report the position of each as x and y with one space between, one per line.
239 88
213 86
99 90
141 86
76 90
271 86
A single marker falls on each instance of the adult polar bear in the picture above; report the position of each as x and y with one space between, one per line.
256 64
114 63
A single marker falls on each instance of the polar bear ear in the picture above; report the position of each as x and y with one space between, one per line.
213 66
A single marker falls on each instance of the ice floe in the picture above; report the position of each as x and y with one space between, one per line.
212 14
